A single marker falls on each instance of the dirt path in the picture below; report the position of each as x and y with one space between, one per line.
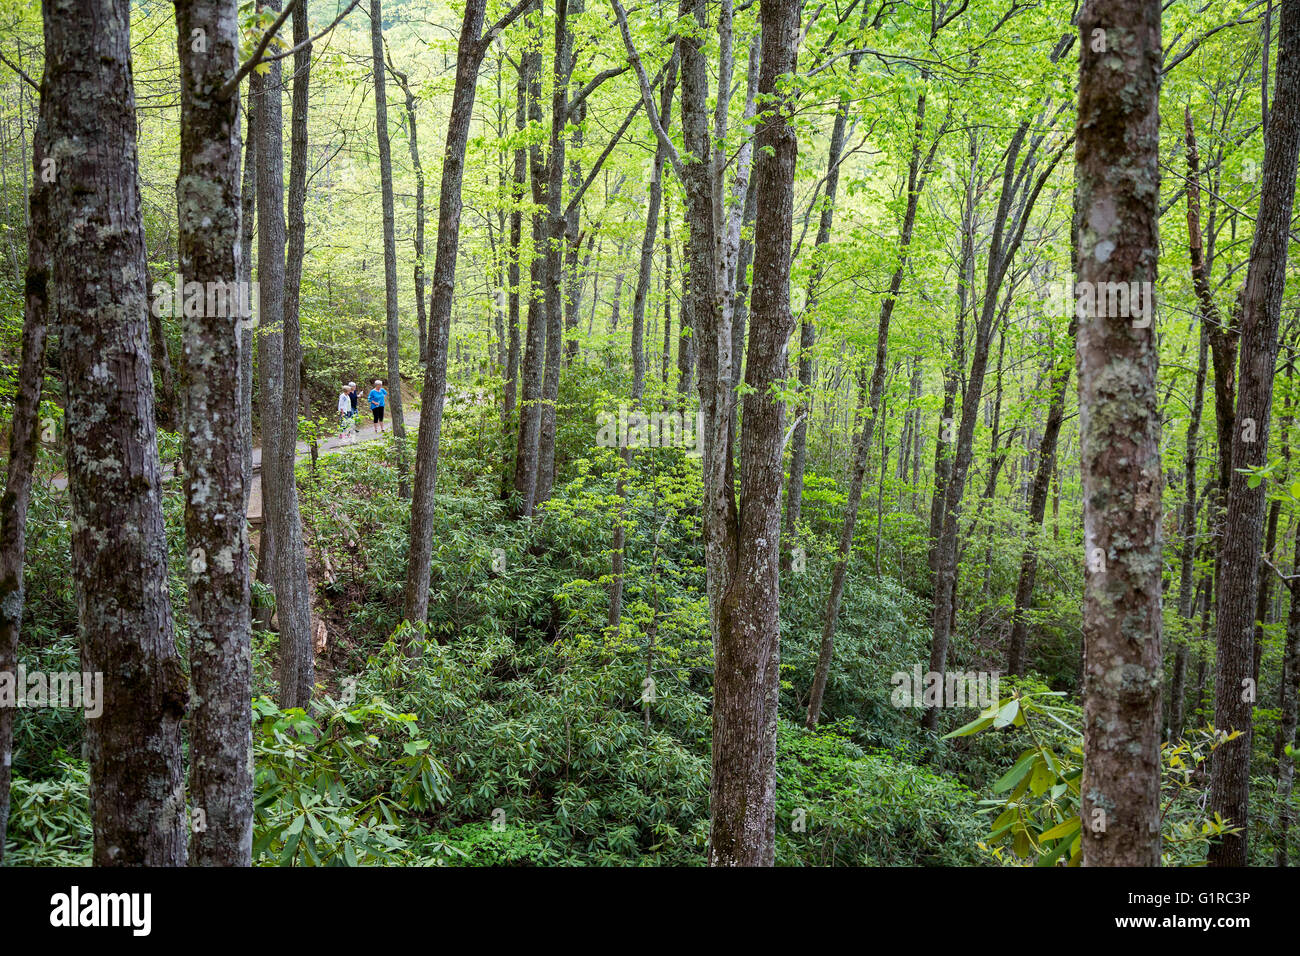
328 446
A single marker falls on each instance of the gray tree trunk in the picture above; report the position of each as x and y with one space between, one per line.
392 327
119 546
23 438
216 534
279 275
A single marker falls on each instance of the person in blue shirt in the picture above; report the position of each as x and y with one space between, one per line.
378 398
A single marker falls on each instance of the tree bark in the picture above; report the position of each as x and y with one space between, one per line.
392 327
23 442
469 56
1243 527
1060 380
119 547
552 298
916 176
247 217
1116 220
1186 598
747 646
216 533
279 277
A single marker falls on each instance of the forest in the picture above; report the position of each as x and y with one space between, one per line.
540 433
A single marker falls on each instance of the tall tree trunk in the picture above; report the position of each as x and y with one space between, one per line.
469 56
1116 219
1186 599
280 274
1289 693
530 405
23 438
742 792
513 276
119 546
1038 508
1020 190
1261 309
552 299
808 330
916 176
248 212
413 144
392 327
216 534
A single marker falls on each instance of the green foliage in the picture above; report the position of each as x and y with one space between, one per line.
1037 801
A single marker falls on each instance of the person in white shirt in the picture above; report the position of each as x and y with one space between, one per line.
346 412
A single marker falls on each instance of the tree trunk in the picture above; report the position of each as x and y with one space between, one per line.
1261 308
1286 731
916 176
1186 599
119 546
279 277
1116 218
392 327
1016 645
553 299
808 330
216 534
23 439
469 56
248 212
413 144
530 407
513 276
742 792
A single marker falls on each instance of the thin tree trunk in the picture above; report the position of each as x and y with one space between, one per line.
392 326
513 276
279 275
916 176
1243 527
1186 600
469 56
530 407
1286 731
248 212
1060 380
413 144
23 438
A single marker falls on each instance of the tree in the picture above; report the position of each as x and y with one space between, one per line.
1234 680
1115 225
208 212
471 48
23 438
278 279
119 552
392 328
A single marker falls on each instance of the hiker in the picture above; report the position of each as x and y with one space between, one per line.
378 398
347 410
